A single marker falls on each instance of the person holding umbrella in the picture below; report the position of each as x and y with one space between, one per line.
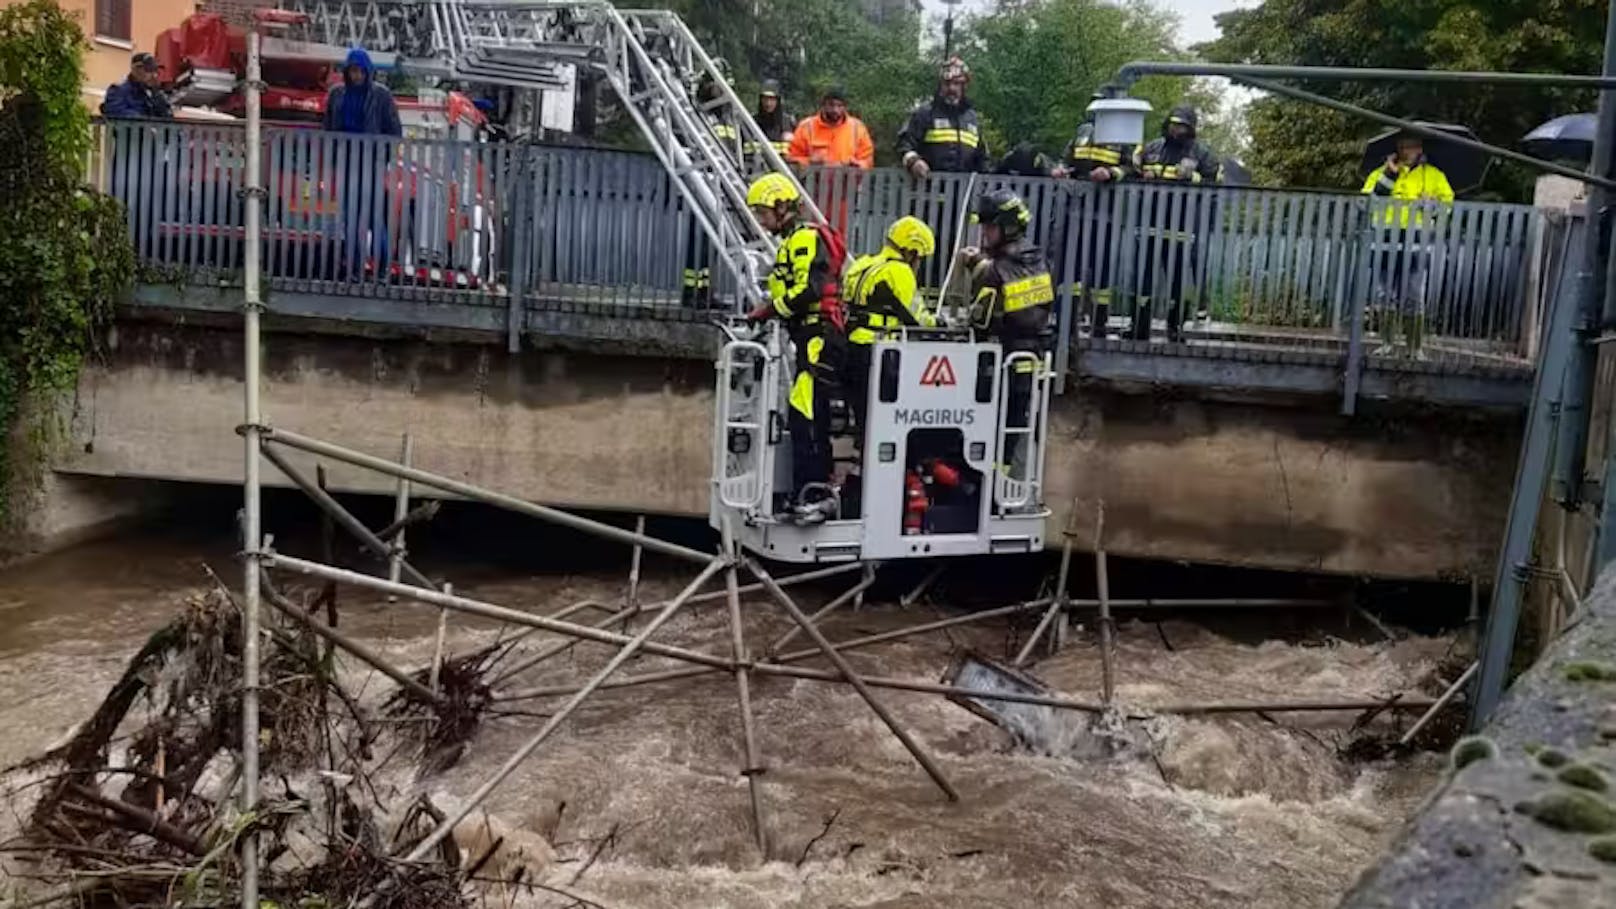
1411 181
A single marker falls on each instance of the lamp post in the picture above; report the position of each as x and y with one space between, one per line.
948 28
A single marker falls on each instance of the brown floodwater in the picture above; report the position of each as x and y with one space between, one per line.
1213 812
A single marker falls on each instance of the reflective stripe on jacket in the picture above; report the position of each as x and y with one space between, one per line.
948 136
882 297
1420 183
801 270
1014 296
1163 159
845 143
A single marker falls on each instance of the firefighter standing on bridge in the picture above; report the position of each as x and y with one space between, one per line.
882 296
1102 165
944 134
1170 246
804 290
1013 298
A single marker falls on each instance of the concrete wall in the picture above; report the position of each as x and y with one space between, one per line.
1241 483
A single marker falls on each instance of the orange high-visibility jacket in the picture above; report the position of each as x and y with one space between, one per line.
818 142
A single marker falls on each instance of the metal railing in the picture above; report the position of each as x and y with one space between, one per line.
389 218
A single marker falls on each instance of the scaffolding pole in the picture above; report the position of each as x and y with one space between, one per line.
743 690
796 656
252 503
401 510
852 593
633 646
852 678
517 617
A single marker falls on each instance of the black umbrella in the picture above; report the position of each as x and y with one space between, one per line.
1568 138
1235 172
1464 167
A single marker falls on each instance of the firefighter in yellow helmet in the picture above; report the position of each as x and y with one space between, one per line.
882 296
804 290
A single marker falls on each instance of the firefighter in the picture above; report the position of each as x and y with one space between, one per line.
1177 156
804 291
944 134
882 295
1013 298
772 118
698 278
1102 165
1411 182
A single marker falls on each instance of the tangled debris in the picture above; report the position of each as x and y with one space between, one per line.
139 806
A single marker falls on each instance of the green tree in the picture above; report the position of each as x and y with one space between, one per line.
65 255
1298 144
807 45
1029 97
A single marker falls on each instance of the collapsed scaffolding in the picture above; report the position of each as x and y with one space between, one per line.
711 184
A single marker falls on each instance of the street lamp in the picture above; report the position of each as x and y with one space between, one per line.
948 28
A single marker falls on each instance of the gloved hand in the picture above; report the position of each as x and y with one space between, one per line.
761 314
968 256
919 168
1187 169
1100 174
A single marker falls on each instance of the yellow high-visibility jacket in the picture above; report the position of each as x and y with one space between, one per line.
1421 183
881 297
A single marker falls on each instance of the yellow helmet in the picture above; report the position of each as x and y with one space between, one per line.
771 190
910 234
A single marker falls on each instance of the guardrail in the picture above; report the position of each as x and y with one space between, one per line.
438 219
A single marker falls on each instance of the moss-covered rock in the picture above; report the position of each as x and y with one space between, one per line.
1473 749
1574 811
1552 758
1590 671
1583 776
1603 849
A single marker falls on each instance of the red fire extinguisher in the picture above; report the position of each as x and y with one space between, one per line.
914 503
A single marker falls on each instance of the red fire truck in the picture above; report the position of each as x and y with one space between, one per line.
439 198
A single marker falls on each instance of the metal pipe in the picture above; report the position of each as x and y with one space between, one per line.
364 653
486 496
401 510
913 595
252 516
1054 609
633 600
1531 481
484 609
1150 603
446 827
1102 583
795 656
343 516
743 691
700 598
825 610
1428 132
1130 73
852 678
1440 703
1062 576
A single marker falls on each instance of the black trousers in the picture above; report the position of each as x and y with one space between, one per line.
856 386
1162 275
818 356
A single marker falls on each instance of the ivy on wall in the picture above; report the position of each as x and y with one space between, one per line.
65 255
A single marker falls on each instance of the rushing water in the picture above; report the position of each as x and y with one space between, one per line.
1238 812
